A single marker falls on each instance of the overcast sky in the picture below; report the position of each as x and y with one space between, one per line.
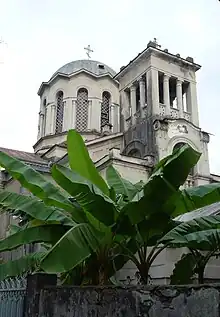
43 35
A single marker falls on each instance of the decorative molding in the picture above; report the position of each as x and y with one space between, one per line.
156 125
182 128
160 125
205 137
150 159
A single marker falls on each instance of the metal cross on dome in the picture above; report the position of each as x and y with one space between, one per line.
88 51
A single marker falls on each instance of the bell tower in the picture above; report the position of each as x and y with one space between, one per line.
159 107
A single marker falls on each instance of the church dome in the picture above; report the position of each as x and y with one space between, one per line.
94 67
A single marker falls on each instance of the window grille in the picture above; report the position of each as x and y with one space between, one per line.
59 113
82 109
105 108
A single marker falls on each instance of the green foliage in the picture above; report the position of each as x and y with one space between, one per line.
26 264
90 229
33 207
121 186
81 163
193 198
89 197
35 182
46 233
184 270
201 233
202 237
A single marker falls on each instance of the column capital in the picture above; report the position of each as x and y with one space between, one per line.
141 81
179 81
166 77
133 87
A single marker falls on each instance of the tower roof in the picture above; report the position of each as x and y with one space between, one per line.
94 67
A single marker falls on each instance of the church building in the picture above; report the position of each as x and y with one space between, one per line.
131 118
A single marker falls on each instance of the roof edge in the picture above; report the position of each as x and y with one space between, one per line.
83 70
152 48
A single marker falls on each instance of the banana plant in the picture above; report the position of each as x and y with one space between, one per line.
161 230
202 238
87 222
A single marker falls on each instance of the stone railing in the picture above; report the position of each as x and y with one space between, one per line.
162 109
174 113
187 116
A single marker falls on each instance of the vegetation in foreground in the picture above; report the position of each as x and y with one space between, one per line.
87 228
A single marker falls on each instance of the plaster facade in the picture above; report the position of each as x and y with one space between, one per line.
151 108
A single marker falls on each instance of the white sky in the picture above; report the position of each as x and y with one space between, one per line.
43 35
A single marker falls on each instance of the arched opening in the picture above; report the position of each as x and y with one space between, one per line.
82 104
177 146
135 153
59 112
105 108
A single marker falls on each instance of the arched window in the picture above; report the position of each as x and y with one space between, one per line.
105 108
82 109
59 112
135 153
177 147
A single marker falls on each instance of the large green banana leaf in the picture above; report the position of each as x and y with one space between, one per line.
46 233
72 249
81 163
121 185
90 198
33 207
161 190
20 266
193 198
35 183
213 209
200 233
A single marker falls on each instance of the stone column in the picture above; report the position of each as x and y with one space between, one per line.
179 97
66 115
193 103
142 96
53 119
152 92
73 114
133 103
166 93
98 116
112 116
41 125
117 118
89 126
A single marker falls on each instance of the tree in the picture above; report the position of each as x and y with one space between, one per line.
202 237
85 223
162 229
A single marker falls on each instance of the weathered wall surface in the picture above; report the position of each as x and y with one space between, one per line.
191 301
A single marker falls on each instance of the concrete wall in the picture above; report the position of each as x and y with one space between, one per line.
189 301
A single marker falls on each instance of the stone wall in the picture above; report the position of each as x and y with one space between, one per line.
166 301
